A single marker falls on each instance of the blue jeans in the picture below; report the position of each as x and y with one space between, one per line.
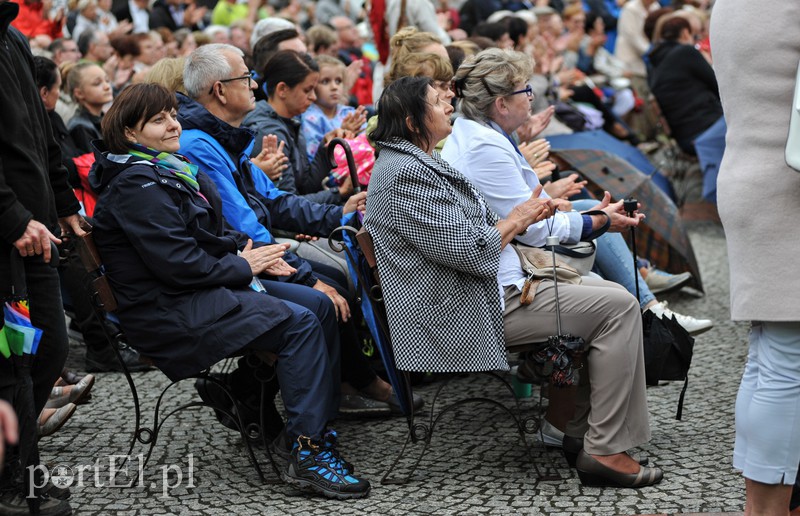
613 260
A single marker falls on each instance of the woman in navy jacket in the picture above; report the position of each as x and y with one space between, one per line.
183 281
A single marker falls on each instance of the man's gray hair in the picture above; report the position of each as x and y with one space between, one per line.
206 65
268 25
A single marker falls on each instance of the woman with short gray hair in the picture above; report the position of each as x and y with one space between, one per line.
480 81
495 97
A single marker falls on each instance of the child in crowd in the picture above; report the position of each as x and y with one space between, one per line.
328 113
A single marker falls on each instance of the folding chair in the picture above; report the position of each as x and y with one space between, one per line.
105 304
360 252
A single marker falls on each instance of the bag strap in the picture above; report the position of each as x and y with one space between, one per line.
601 230
679 413
575 253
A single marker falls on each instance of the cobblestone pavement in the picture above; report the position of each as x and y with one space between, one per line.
476 464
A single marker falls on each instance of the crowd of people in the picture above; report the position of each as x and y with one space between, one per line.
217 117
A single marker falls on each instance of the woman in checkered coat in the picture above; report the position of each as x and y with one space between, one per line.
442 254
437 244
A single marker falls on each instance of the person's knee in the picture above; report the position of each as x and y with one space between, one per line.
322 306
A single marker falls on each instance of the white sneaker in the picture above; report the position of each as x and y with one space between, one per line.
689 323
550 435
660 282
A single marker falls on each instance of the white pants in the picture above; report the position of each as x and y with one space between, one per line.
767 447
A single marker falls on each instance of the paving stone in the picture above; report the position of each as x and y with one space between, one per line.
475 463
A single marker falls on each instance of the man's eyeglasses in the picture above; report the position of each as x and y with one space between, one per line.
527 91
248 76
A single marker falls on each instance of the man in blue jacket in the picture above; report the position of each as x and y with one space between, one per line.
221 91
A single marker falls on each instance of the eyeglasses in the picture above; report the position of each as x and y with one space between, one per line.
248 76
527 91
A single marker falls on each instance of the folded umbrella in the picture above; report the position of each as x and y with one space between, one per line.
21 340
366 285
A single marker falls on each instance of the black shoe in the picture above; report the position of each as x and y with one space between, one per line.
319 468
281 450
13 503
59 493
595 474
104 360
394 404
215 397
572 446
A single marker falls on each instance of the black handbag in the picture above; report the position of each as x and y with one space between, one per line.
570 116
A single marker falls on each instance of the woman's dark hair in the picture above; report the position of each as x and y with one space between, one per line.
405 98
289 67
126 46
652 19
133 107
493 30
673 27
517 28
46 72
591 17
456 55
483 42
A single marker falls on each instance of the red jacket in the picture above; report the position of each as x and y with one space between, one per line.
32 21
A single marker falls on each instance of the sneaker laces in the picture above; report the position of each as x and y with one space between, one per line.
330 442
325 455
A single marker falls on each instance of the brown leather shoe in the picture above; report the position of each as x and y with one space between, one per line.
77 393
51 420
595 474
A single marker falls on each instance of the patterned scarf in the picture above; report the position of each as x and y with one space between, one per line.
184 170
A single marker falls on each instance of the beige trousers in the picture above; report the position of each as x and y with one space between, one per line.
611 402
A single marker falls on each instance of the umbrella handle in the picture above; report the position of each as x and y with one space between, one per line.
631 205
351 163
19 287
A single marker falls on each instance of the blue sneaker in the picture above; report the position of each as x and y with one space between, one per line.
318 467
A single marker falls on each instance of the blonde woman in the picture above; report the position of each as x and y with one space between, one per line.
89 86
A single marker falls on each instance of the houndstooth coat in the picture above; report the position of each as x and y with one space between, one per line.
438 254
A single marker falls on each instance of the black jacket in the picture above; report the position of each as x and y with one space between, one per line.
182 291
160 16
68 147
84 128
33 182
686 89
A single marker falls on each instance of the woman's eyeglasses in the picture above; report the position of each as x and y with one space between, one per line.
527 91
249 78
